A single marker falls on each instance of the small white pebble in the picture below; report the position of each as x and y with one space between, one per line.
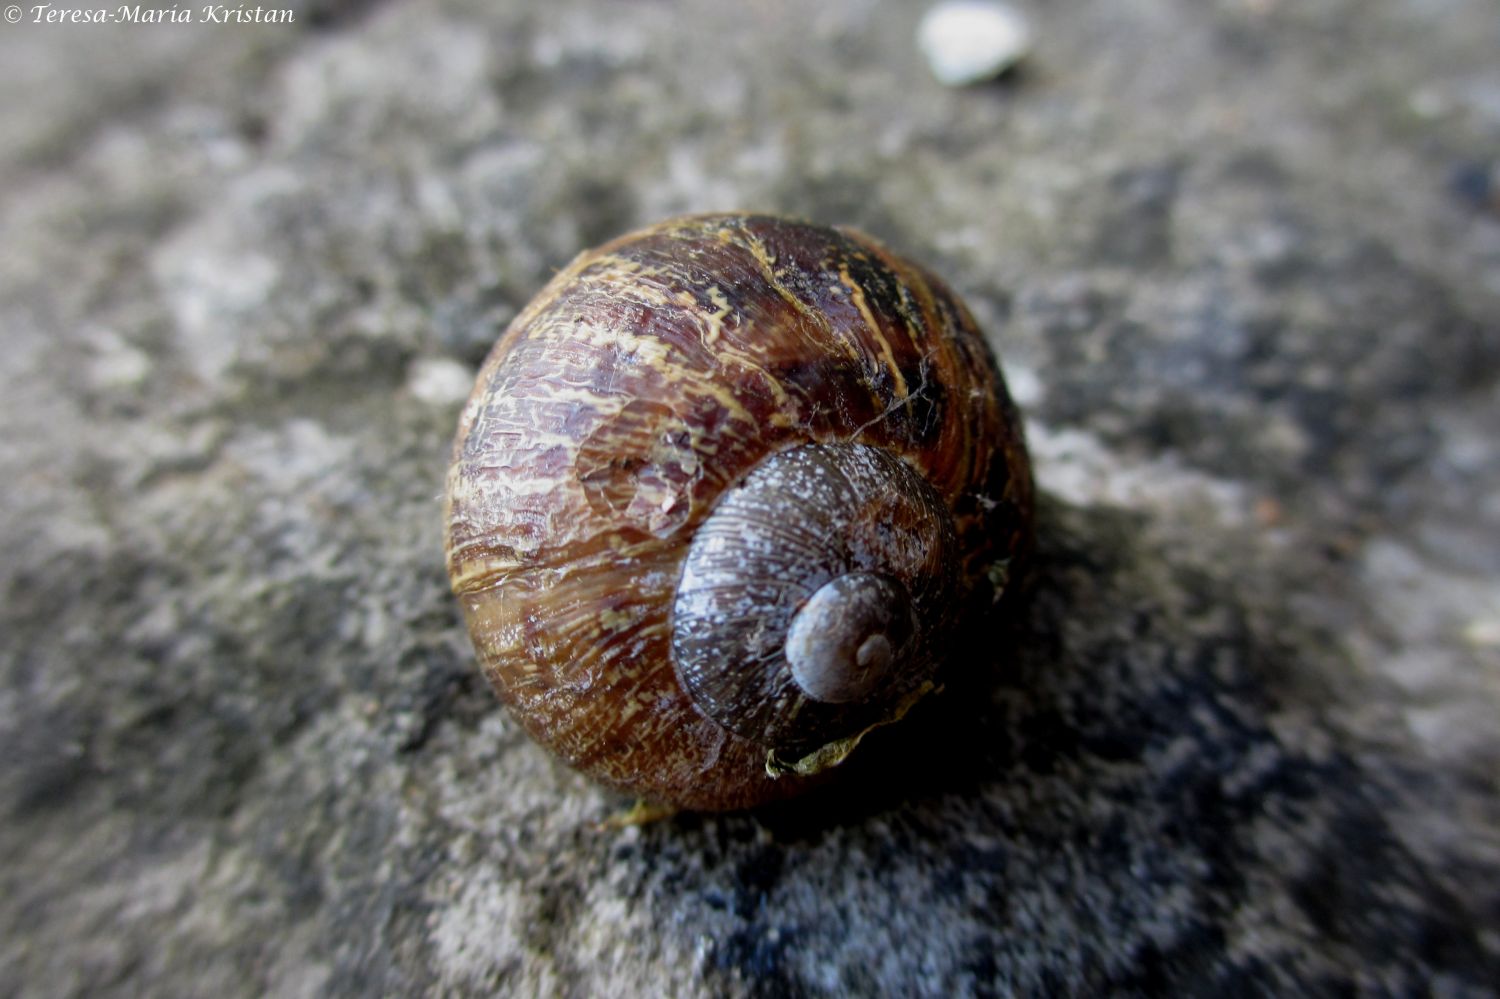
1025 387
115 363
1483 632
968 41
439 381
1429 102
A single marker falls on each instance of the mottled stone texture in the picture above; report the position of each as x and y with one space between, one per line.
1241 259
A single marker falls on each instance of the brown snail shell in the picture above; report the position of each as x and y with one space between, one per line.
718 496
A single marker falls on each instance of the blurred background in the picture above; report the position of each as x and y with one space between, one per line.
1240 260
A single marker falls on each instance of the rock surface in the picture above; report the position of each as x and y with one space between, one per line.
1242 262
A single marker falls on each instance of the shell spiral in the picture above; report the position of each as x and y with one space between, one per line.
641 395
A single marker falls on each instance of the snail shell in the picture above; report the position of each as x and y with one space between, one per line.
720 493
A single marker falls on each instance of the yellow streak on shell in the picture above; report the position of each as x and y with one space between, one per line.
857 296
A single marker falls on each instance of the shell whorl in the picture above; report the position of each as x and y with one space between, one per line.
812 598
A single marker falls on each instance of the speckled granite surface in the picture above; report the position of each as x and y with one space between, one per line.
1241 260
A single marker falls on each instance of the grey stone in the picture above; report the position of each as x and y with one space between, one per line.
1237 734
